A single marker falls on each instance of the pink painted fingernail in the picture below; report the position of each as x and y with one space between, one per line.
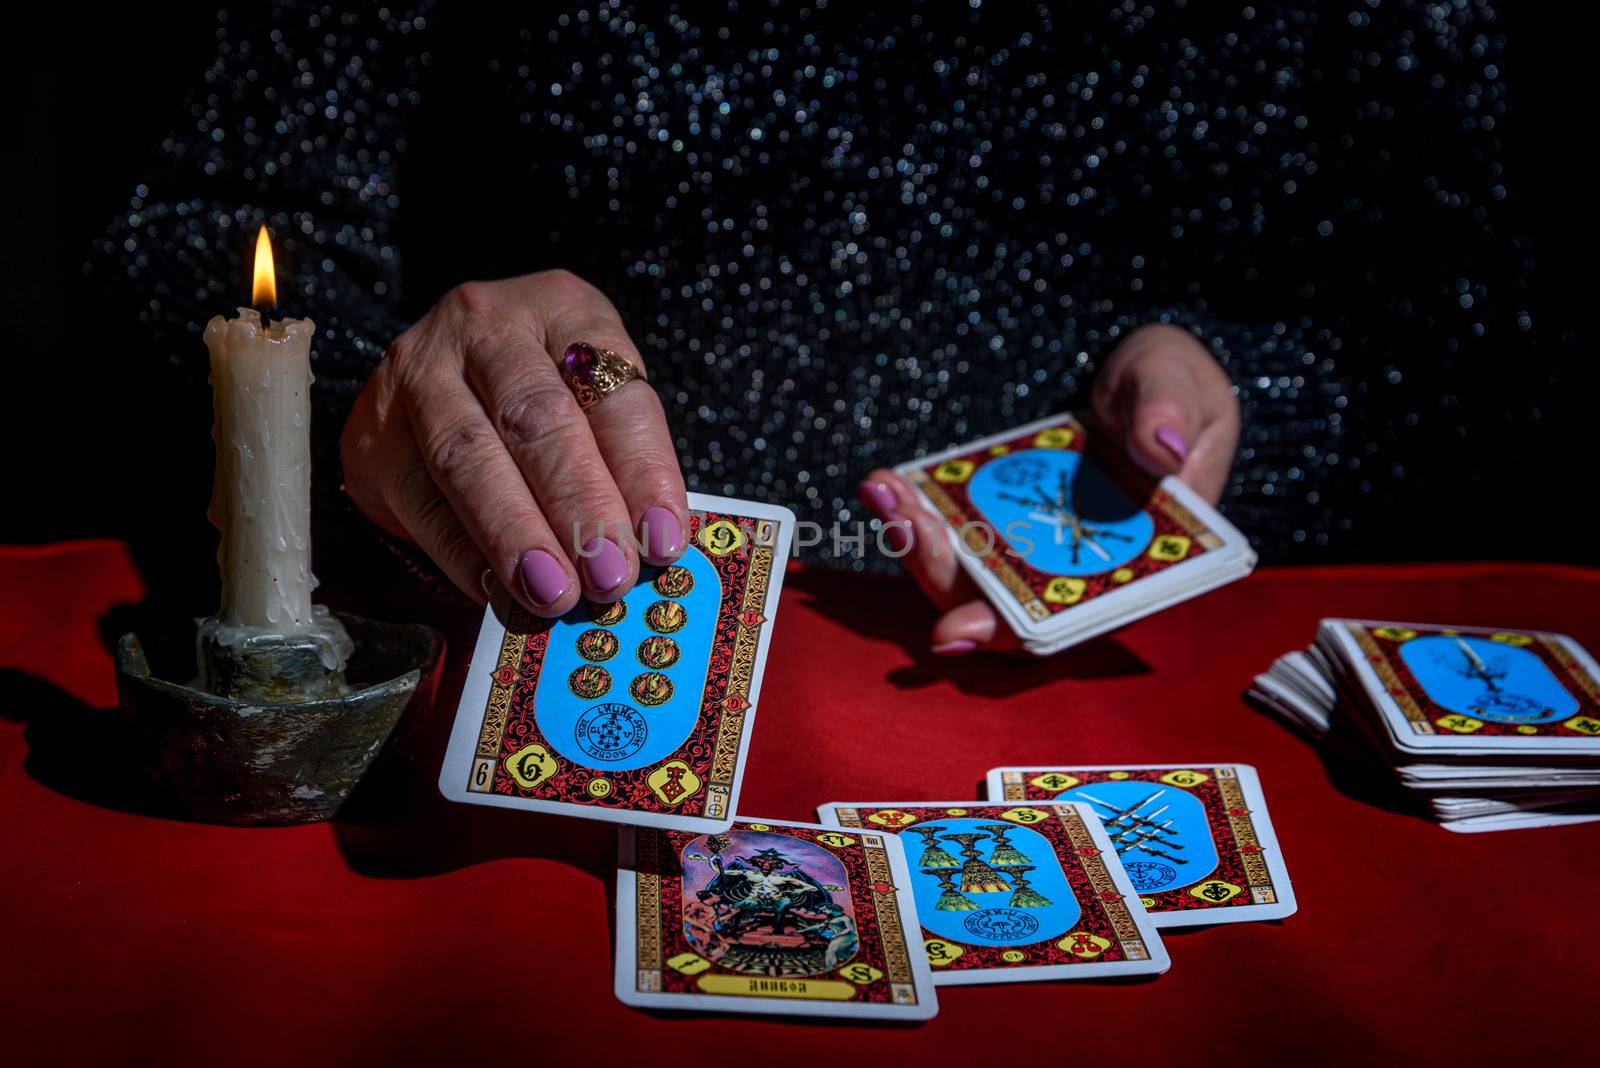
660 533
878 497
900 534
604 567
543 577
1173 440
959 647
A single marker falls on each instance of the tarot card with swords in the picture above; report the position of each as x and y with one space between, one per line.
1195 839
1067 538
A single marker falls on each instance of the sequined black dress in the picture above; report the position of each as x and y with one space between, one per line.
843 235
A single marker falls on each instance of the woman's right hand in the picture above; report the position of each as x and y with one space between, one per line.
467 441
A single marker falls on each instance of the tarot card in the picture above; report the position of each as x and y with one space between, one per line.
639 711
1067 537
770 917
1195 839
1473 691
1013 893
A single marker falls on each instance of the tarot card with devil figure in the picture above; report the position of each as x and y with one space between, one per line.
770 917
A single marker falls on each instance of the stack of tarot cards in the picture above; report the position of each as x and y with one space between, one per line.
1067 538
1497 729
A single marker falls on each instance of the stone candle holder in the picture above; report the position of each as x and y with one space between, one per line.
275 736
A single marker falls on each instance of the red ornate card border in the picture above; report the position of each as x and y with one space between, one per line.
1241 861
1177 530
1380 646
711 751
668 962
1105 915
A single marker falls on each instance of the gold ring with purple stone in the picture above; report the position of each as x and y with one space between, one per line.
593 374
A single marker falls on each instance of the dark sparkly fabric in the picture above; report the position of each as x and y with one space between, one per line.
845 236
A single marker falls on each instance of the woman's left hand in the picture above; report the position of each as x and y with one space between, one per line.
1174 408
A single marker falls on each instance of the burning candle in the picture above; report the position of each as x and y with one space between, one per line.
261 498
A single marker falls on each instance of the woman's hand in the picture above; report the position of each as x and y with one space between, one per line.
468 441
1173 406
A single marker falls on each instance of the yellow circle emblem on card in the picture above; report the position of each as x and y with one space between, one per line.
1508 637
530 766
1119 775
758 826
860 973
999 450
1122 574
1054 780
599 787
953 471
721 538
1394 634
688 963
1459 724
1064 590
1148 902
1084 945
1169 548
1057 437
1013 956
1215 891
1527 728
1025 815
673 782
955 811
1184 778
836 840
892 818
941 952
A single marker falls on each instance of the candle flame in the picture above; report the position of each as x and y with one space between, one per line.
264 293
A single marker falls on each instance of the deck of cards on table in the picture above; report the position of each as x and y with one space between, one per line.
1195 839
639 711
770 917
1497 728
1067 538
1011 893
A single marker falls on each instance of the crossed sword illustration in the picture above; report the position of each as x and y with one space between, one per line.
1134 831
1063 518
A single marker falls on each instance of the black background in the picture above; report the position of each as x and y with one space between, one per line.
97 444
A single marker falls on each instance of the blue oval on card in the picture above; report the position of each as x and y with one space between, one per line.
1160 831
1079 522
1002 886
1488 679
628 696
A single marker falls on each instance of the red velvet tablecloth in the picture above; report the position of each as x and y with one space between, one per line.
443 931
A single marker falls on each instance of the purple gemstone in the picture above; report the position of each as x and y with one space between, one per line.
580 360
